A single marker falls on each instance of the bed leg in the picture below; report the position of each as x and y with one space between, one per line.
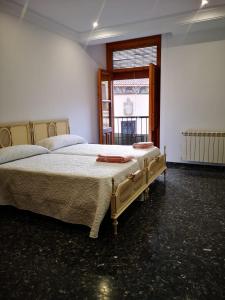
164 173
146 194
115 224
141 198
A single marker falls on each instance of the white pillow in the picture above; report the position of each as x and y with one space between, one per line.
11 153
60 141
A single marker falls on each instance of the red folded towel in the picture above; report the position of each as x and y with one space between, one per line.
143 145
113 159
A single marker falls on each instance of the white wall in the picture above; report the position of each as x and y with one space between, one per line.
98 53
44 76
192 87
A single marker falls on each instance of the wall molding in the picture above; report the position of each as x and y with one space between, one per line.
204 19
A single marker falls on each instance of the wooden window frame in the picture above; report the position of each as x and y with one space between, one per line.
136 72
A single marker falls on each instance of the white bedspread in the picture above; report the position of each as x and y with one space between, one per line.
95 149
75 189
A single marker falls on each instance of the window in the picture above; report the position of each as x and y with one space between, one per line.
130 59
133 111
137 57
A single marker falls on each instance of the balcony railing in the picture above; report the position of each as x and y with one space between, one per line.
129 130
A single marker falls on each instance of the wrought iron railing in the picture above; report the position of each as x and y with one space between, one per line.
129 130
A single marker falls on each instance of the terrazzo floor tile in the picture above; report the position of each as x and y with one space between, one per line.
171 246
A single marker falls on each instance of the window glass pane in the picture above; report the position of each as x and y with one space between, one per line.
106 114
105 87
139 57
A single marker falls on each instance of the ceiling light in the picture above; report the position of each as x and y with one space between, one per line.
95 24
204 3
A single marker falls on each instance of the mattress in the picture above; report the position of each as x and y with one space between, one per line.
121 150
72 188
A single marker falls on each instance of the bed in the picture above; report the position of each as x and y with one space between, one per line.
72 188
41 131
96 149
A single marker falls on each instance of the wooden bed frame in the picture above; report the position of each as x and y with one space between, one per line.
15 134
122 195
132 187
47 128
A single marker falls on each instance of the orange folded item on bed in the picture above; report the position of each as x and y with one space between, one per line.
143 145
113 158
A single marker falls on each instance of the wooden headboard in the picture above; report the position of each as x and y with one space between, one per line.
31 132
43 129
15 134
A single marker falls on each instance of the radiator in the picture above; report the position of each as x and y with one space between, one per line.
203 146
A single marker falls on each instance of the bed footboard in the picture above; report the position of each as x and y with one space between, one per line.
134 185
155 168
125 193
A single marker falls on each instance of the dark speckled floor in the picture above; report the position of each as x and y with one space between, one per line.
169 247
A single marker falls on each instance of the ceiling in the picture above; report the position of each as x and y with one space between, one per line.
118 19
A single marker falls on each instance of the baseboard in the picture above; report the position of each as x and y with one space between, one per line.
190 166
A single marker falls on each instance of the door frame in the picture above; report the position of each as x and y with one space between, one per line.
106 135
139 72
